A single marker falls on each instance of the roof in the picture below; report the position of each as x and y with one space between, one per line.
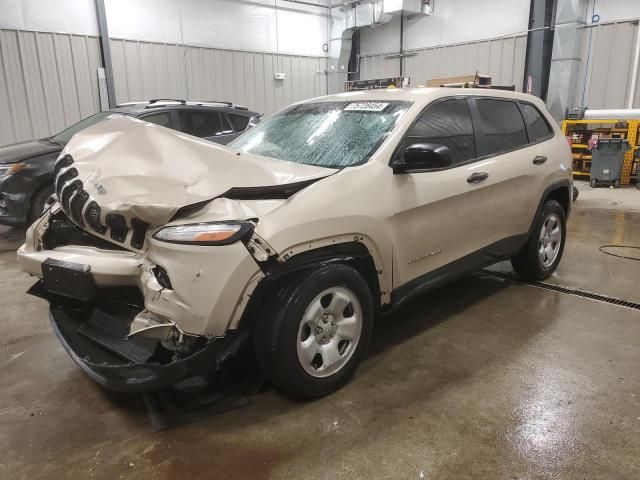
135 108
420 95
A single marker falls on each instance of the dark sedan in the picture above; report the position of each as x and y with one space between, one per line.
26 168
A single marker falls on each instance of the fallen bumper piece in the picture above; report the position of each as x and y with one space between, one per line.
96 337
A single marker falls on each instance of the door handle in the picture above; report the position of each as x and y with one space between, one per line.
539 160
477 177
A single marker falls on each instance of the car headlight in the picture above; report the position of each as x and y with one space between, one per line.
210 233
7 169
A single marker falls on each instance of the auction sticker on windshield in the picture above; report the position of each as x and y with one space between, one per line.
366 107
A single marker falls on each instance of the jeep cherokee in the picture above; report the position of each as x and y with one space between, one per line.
165 254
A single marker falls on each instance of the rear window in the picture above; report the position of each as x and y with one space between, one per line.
502 125
537 126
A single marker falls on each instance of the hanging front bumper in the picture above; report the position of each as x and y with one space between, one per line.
95 337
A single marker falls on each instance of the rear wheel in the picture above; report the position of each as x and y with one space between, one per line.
318 332
543 251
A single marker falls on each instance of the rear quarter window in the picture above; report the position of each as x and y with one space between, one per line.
537 125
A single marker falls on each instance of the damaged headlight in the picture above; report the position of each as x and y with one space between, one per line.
211 233
7 169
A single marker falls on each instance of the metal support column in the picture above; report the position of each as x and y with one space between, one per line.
354 59
539 47
105 51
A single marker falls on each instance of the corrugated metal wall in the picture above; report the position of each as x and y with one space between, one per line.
47 82
149 70
607 54
502 58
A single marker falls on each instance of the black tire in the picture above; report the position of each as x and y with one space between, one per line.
276 335
593 183
38 203
616 184
527 263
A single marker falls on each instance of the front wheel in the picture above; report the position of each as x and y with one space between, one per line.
39 203
541 255
317 333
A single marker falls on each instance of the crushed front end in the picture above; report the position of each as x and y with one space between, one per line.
122 317
96 336
118 314
149 257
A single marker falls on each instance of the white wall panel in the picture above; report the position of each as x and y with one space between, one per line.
145 70
226 24
231 24
61 16
502 58
607 54
47 82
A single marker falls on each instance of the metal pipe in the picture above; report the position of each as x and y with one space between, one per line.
613 114
308 3
634 75
401 42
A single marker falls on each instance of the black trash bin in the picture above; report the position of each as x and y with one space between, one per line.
606 161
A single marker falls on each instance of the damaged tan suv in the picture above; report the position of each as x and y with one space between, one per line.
165 255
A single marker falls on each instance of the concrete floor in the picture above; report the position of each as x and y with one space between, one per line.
481 379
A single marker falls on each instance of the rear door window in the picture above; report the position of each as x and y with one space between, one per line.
502 126
537 125
200 124
160 118
446 123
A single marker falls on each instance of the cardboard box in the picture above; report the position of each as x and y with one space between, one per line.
477 80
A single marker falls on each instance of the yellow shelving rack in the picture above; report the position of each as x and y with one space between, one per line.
581 153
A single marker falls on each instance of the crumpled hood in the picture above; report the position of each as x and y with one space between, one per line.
26 150
145 171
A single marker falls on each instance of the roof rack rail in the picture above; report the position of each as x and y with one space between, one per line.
157 100
128 104
229 104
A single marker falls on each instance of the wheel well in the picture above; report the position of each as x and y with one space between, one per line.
35 193
560 194
354 254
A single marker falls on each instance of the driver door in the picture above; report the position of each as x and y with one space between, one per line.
440 216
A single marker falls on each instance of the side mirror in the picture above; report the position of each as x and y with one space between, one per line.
424 156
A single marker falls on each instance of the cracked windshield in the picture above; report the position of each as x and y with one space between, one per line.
327 134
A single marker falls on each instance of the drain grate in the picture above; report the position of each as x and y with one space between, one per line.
569 291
